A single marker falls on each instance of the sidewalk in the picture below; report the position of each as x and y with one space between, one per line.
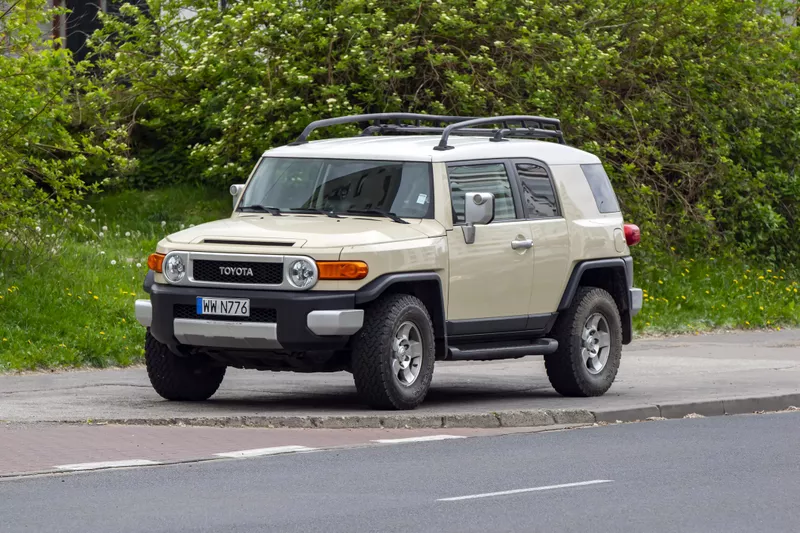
713 374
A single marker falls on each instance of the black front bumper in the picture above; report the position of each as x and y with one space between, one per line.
291 309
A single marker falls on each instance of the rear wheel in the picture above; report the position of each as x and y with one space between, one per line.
393 354
180 378
589 336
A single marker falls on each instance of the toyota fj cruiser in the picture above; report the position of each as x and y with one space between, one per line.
427 238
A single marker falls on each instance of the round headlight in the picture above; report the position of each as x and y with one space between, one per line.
174 268
302 274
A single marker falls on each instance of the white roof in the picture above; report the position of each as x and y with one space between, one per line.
420 148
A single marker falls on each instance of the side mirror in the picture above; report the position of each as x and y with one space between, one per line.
236 192
478 209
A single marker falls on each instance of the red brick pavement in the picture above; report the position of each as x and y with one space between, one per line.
28 449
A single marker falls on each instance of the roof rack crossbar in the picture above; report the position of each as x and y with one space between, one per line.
541 131
376 118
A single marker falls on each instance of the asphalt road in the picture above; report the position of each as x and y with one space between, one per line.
726 474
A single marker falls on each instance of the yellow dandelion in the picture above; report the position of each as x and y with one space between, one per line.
69 294
761 277
778 328
5 340
746 322
761 308
708 292
90 292
102 333
124 337
684 297
646 324
769 271
757 292
660 282
123 320
95 297
736 281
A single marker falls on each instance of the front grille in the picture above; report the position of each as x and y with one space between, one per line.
256 315
215 271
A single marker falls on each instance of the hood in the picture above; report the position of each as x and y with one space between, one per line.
309 231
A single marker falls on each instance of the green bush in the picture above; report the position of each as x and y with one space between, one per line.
693 104
45 150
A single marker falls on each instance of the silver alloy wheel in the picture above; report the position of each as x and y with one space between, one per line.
406 354
595 343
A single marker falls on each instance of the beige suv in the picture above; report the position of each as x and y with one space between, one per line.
426 239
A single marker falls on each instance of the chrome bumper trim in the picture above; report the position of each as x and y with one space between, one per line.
143 310
637 300
220 334
339 322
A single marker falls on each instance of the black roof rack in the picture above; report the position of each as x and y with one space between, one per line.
524 126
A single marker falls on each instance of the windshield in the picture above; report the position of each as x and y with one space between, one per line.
341 185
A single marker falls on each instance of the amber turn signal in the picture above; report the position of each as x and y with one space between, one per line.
342 269
155 261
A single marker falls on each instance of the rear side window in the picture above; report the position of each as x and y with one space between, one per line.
538 196
601 188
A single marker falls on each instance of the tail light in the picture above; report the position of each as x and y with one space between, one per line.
632 234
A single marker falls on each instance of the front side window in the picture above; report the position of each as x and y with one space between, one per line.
604 195
341 185
538 196
491 178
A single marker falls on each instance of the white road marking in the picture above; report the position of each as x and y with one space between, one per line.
265 451
107 464
418 439
519 491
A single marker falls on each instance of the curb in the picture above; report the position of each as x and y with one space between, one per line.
495 419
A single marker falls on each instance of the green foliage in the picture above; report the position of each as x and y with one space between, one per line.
693 104
77 309
43 156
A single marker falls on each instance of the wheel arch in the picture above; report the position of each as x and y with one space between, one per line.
427 286
613 275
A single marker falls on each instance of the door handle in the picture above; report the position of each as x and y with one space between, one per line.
522 245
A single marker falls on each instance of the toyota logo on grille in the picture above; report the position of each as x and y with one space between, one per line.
236 271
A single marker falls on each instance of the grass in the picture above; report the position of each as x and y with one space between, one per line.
76 309
695 295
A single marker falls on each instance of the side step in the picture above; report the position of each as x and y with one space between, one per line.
488 353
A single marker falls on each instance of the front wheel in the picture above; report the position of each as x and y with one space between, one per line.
393 354
589 336
180 378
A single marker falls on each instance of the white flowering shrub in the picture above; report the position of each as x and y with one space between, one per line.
693 104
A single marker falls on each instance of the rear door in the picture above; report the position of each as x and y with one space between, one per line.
549 232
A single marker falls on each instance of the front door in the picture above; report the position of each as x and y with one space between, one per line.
490 281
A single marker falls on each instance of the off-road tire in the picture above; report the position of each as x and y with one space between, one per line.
566 370
372 353
180 378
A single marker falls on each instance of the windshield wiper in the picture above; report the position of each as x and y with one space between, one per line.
313 210
274 211
377 212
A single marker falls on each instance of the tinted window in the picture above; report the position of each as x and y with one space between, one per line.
538 196
601 188
491 178
340 185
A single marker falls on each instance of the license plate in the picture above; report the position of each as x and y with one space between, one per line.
223 306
